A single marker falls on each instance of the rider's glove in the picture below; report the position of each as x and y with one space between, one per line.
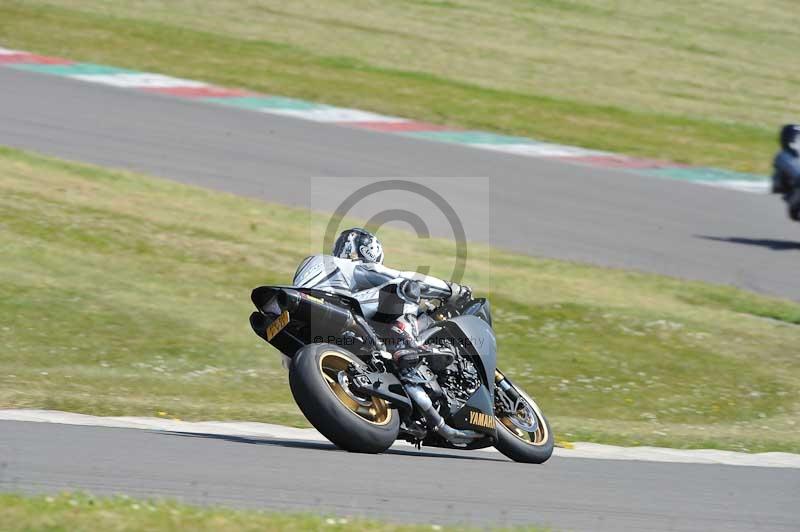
459 293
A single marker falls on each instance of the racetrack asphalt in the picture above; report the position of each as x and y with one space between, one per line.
404 485
542 207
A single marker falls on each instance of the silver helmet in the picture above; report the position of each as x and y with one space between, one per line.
358 244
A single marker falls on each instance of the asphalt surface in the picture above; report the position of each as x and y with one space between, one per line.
537 206
403 485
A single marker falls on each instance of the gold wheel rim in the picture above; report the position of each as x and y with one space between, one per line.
372 410
536 438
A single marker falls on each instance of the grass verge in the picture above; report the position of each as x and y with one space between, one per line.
75 512
128 295
644 79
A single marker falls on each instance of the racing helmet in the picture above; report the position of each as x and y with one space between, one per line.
358 244
789 138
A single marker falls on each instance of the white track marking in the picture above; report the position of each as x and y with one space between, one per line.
139 80
6 51
540 149
265 430
757 187
685 456
334 114
229 428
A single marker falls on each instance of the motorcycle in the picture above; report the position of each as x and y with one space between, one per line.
447 393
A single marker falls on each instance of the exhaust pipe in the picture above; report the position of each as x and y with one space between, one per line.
423 401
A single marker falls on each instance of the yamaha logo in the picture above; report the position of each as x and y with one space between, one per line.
480 419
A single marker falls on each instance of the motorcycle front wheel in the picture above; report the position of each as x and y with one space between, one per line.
523 432
320 383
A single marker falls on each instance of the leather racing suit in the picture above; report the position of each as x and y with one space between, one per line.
363 280
786 180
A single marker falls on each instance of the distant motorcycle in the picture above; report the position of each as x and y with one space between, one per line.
792 201
450 394
786 163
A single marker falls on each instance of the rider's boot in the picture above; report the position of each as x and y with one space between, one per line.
793 203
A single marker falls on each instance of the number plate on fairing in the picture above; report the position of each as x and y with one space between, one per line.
277 326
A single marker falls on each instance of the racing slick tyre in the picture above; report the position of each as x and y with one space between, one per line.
318 378
523 433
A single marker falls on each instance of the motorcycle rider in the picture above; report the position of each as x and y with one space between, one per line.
786 178
356 268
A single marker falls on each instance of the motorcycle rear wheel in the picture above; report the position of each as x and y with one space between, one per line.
320 386
516 440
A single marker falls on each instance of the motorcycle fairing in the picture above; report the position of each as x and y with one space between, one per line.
477 414
477 337
479 307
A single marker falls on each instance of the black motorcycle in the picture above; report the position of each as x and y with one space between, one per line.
447 392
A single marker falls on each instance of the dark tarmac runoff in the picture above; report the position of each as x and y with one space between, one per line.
542 207
404 485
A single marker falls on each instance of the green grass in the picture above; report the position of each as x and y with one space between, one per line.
75 512
127 295
659 79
